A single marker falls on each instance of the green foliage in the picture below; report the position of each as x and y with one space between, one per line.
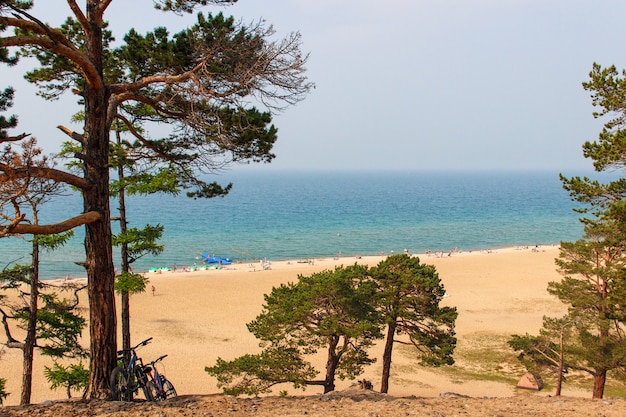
329 309
594 267
53 242
140 242
327 303
342 311
67 151
256 374
591 335
71 377
593 286
608 92
130 283
408 297
15 276
59 327
163 180
216 132
6 101
58 73
3 393
535 352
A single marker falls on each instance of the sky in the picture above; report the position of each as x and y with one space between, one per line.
409 84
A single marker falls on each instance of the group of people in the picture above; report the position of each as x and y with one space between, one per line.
440 253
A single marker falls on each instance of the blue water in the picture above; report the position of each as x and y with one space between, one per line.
292 215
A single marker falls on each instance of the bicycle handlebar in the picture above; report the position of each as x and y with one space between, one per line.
158 359
145 342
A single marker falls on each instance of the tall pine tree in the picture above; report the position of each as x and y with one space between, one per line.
594 267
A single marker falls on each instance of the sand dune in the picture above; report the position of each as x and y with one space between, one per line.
196 317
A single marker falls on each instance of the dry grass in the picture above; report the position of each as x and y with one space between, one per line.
485 356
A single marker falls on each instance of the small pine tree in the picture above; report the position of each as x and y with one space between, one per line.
328 310
71 377
3 393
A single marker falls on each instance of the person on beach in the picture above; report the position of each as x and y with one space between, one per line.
153 290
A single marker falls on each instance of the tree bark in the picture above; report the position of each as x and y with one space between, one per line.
55 228
391 331
31 328
599 379
125 296
98 240
331 364
559 376
599 376
100 269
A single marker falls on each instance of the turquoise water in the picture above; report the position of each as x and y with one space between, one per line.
292 215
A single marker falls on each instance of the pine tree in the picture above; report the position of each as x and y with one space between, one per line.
408 298
594 283
328 310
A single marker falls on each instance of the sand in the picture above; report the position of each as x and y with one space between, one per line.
196 317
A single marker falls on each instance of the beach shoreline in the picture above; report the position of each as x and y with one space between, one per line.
339 259
196 317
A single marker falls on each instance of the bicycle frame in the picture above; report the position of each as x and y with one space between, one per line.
162 388
156 377
134 375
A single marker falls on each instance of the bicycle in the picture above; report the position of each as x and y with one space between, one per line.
126 380
159 386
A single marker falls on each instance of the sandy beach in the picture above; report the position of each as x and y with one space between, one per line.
196 317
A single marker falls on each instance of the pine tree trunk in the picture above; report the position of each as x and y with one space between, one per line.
331 364
31 328
391 331
101 279
559 376
125 297
100 271
599 379
98 250
125 307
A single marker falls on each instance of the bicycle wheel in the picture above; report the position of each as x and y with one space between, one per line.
168 388
147 391
153 391
119 385
142 382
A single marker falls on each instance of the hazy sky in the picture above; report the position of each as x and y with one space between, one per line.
411 84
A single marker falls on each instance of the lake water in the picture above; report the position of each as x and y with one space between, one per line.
292 215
